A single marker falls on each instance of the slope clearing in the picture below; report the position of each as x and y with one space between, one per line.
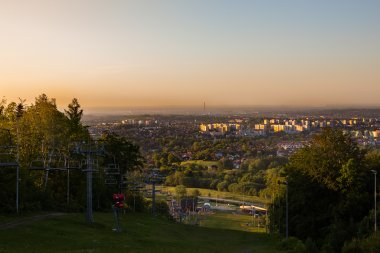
141 233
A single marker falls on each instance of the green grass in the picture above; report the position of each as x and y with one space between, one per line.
218 194
13 217
225 220
142 233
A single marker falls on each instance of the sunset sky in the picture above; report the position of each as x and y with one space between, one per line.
180 53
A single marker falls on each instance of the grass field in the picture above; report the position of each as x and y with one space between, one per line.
142 233
225 220
217 194
13 217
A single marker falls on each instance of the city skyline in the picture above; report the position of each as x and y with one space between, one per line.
145 54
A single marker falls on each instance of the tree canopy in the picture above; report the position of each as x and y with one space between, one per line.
329 189
45 141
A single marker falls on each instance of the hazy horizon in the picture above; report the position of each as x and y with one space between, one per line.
99 111
133 54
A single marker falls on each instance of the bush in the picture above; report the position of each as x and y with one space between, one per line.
180 191
299 248
195 193
288 244
135 203
310 246
162 208
368 245
372 244
327 248
353 247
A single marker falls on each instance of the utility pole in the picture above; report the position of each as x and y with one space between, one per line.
153 179
153 197
375 197
68 188
17 168
89 215
287 209
89 149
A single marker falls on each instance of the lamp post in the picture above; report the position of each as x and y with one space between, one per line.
287 208
375 173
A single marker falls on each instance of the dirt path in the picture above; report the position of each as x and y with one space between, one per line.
28 220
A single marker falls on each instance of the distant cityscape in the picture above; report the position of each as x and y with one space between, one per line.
245 136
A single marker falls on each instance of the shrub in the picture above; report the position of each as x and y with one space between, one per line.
352 247
310 246
195 193
162 208
299 248
135 203
287 244
368 245
327 248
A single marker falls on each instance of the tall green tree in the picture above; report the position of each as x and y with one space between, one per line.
122 152
328 189
42 134
74 113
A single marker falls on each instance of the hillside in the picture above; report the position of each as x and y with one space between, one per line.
141 233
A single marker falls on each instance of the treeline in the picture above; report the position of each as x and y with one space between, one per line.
45 142
331 195
255 177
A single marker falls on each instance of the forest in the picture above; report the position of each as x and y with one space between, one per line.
51 149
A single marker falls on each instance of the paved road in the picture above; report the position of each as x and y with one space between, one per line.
28 220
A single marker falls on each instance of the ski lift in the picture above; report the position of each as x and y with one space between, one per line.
110 181
94 165
7 157
112 174
112 169
7 154
57 162
5 138
38 164
73 164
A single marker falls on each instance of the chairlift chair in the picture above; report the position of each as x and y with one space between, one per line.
38 164
7 157
57 162
112 169
110 181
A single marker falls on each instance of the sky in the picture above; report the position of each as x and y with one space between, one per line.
162 53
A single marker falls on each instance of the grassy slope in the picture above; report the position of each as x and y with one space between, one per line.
223 220
13 217
142 233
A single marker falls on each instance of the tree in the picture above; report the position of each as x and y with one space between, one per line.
180 191
328 193
42 133
324 160
74 113
122 152
226 163
195 193
172 158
